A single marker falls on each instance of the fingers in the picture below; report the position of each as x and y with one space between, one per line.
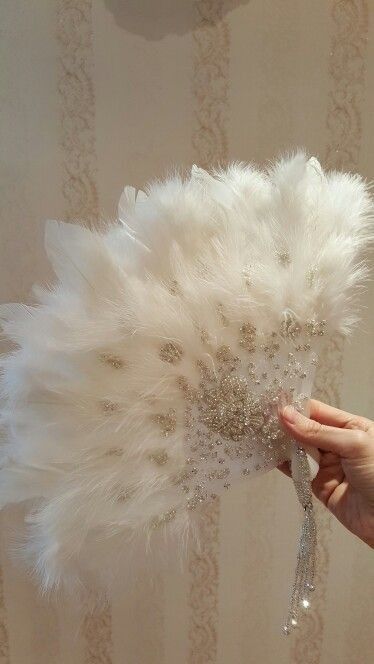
325 414
285 468
343 442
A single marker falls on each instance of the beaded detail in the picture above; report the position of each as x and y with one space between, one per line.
230 423
171 352
112 360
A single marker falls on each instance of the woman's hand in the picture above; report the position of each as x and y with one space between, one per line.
345 480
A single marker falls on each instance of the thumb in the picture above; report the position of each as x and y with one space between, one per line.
346 443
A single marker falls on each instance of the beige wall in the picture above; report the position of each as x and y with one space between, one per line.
99 93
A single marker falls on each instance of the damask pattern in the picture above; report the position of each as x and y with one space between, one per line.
79 187
4 641
97 630
210 82
203 599
77 109
350 19
210 93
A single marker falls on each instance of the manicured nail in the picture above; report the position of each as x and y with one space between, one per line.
289 414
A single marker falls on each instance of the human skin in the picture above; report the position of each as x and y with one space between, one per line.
345 480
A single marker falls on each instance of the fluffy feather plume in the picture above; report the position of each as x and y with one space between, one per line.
147 379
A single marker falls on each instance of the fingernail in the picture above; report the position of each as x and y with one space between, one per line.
289 414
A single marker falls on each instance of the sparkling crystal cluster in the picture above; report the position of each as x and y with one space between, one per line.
231 426
230 421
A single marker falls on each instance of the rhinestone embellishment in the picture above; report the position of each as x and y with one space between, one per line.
230 422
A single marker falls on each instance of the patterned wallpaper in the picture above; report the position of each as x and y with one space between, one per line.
99 93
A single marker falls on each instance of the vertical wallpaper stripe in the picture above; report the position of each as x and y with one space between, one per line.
97 629
77 108
4 641
350 23
349 19
210 93
210 82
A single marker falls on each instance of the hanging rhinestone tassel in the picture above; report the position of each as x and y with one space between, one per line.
305 567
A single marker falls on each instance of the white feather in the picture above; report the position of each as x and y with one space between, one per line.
180 251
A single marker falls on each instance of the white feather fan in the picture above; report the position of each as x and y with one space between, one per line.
147 380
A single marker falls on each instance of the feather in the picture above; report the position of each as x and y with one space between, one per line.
147 380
